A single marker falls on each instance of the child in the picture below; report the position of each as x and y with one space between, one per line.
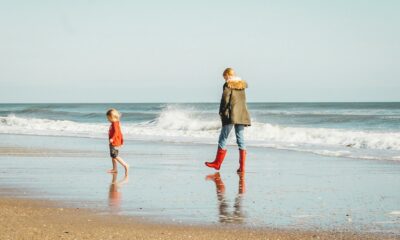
233 113
115 140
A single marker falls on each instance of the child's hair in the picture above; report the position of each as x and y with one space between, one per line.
228 72
112 112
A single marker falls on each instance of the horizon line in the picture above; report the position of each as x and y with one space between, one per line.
196 102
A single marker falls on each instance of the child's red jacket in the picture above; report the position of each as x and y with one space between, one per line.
115 134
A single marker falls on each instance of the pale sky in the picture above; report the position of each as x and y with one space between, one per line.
175 51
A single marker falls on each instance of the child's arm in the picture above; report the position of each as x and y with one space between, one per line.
224 104
113 132
116 133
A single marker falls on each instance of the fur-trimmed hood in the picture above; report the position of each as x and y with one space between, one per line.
236 83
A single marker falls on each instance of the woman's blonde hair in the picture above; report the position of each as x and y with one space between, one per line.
112 112
228 72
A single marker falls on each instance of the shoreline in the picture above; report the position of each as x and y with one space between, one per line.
286 193
40 219
5 150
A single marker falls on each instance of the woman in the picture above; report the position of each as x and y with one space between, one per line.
234 114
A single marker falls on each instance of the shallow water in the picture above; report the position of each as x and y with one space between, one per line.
167 183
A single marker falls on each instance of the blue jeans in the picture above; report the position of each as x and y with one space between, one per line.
226 129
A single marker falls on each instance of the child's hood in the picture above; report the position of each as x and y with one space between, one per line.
236 83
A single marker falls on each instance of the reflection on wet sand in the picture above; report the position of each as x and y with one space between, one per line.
114 196
225 216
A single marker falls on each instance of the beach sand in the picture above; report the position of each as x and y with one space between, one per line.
33 219
58 188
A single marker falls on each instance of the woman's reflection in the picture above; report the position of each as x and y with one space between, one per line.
237 216
114 196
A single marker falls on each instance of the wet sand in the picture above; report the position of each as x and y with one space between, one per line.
29 219
300 194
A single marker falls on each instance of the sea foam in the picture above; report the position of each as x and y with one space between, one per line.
183 125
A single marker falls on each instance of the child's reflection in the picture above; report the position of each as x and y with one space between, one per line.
114 196
237 216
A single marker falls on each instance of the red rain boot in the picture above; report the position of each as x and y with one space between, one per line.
242 161
218 159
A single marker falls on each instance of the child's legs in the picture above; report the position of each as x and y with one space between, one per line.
223 136
114 163
113 155
114 169
122 162
239 131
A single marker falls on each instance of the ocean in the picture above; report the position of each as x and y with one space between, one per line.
351 130
329 166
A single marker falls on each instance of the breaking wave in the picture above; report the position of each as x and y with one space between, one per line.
187 125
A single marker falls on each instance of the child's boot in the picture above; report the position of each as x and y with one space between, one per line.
242 160
221 153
